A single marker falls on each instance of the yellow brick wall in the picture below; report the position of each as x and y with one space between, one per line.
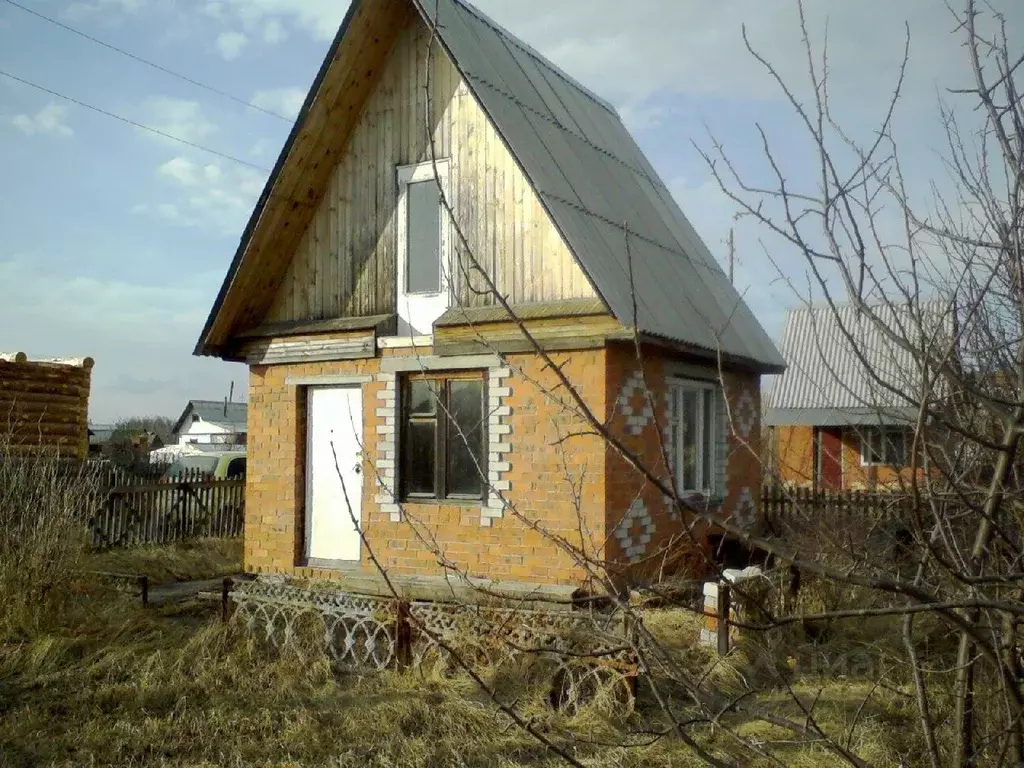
794 455
882 478
556 481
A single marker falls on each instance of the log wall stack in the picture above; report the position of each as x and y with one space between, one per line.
44 405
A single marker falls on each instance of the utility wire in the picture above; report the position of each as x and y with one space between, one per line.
135 124
148 63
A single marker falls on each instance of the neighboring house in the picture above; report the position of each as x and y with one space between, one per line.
99 436
206 422
831 424
387 383
44 405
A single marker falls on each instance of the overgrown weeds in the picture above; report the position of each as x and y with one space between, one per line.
43 506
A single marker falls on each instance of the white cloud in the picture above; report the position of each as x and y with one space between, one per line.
214 10
73 315
180 118
319 18
273 32
231 44
80 10
48 120
262 148
284 101
211 197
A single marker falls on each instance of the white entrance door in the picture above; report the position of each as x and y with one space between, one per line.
334 481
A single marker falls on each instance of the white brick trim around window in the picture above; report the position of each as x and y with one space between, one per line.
499 436
387 447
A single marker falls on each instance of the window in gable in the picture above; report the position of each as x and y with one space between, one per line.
443 437
423 238
423 247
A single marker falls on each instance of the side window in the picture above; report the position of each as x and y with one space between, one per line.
884 446
693 435
236 468
443 438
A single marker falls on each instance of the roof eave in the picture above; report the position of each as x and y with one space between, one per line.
730 361
204 348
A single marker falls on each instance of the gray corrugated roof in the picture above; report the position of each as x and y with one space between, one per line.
596 183
233 416
825 375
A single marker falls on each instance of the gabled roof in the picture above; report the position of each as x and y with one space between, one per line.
613 211
228 415
827 383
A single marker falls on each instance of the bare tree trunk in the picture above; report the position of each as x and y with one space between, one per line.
965 660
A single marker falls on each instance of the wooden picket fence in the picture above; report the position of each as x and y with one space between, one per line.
790 506
164 511
782 504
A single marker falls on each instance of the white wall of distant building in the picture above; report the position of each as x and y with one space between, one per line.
201 432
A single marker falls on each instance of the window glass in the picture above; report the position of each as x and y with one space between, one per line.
422 398
466 438
707 438
236 468
444 452
421 438
423 254
690 429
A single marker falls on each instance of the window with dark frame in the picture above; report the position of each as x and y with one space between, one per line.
884 446
443 437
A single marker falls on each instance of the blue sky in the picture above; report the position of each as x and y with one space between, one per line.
115 241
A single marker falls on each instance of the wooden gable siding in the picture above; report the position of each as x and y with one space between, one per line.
345 263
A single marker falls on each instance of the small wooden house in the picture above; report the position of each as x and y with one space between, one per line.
440 196
843 415
44 405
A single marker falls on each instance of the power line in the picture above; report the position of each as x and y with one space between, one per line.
156 131
148 63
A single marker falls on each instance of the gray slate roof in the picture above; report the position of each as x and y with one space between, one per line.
827 383
593 178
233 417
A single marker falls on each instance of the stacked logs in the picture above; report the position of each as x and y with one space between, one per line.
44 405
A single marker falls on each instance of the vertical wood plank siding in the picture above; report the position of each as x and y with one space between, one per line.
345 262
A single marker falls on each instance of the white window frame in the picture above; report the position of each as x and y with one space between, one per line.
865 433
707 476
422 309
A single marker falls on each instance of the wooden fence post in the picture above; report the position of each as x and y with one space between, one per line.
403 636
724 606
225 599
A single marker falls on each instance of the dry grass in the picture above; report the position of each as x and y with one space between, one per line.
116 684
89 677
184 561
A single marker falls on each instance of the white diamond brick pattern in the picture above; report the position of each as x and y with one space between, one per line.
387 446
745 414
744 512
635 547
636 421
499 435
